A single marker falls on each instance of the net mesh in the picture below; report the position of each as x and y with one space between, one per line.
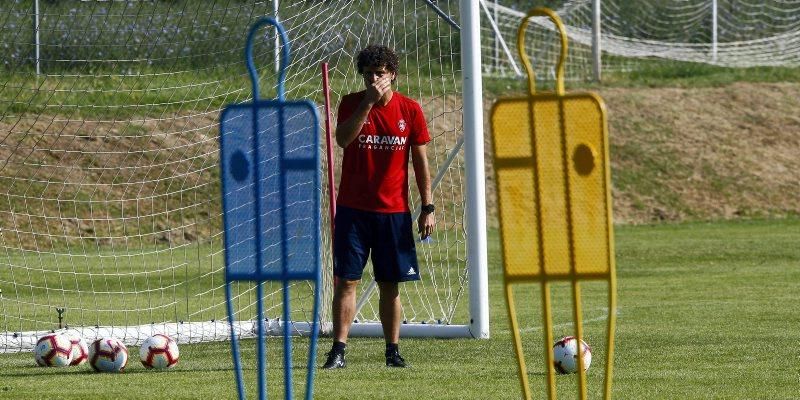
110 199
634 34
109 183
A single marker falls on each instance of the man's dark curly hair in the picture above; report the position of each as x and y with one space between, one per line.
376 55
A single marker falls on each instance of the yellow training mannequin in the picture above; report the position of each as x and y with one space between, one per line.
553 189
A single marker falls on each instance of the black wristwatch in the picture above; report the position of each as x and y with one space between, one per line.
428 209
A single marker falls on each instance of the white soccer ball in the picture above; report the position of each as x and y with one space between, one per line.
108 355
80 351
159 352
565 355
53 350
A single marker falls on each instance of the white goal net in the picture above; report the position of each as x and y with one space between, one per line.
110 211
727 33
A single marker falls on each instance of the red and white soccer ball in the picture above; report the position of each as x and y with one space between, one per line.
53 350
80 351
159 352
565 355
108 355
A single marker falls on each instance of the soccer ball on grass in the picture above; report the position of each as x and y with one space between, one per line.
159 352
108 355
80 351
53 350
565 355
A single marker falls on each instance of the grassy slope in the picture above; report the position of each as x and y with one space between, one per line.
677 153
704 312
694 142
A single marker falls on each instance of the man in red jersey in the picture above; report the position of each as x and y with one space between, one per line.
378 129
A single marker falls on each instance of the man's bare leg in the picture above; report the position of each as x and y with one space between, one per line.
344 309
390 312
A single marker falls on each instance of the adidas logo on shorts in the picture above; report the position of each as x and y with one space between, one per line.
411 271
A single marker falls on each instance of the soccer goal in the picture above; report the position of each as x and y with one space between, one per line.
639 34
110 202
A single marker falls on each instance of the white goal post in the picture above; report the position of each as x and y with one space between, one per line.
110 214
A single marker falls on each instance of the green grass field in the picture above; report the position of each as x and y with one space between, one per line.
705 311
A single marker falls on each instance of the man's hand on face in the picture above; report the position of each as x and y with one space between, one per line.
378 88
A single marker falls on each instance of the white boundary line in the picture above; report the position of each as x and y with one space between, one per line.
567 324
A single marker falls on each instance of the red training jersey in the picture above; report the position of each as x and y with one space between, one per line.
375 165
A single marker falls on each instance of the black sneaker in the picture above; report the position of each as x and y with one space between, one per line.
335 360
394 360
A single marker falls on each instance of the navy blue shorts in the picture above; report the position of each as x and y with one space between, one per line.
388 236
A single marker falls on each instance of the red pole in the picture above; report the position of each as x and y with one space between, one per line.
326 90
